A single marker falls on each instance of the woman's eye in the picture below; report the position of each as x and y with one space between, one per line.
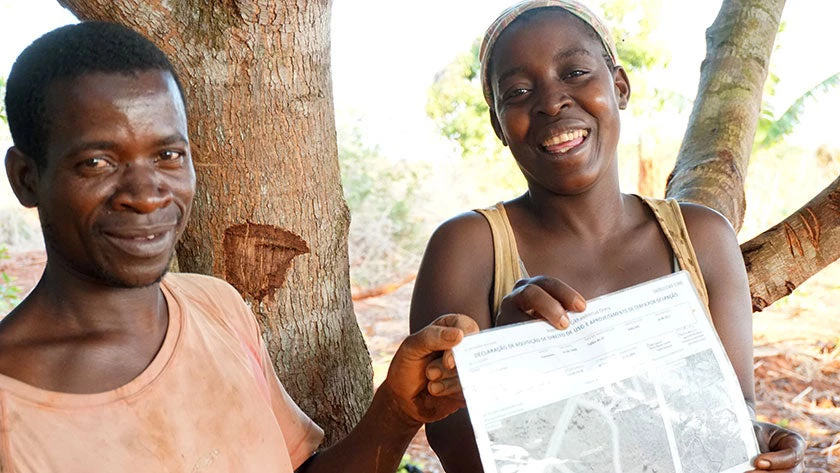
513 93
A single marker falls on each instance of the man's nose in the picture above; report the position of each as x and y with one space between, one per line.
142 188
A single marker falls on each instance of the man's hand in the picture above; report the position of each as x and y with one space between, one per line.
540 297
783 450
422 379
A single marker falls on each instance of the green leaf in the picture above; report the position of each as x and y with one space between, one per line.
772 131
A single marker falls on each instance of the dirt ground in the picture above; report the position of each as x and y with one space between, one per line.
797 357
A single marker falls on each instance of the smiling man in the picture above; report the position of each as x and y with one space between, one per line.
111 364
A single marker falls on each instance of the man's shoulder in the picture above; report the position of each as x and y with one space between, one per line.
209 296
198 284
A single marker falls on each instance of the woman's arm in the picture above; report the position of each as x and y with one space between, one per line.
723 269
722 265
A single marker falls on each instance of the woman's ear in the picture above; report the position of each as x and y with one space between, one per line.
494 120
23 176
622 86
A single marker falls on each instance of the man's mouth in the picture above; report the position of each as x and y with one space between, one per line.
564 142
143 242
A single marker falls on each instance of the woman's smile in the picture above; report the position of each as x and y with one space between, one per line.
564 142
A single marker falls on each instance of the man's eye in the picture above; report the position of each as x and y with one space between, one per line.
576 73
95 163
170 155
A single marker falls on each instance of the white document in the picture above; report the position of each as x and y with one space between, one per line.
639 382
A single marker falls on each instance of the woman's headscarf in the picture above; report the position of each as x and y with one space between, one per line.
508 16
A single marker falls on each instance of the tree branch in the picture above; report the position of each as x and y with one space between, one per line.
783 257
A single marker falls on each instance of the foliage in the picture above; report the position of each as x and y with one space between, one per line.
771 130
407 467
385 230
9 293
631 26
3 102
457 107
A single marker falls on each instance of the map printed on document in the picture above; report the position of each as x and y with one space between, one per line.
639 382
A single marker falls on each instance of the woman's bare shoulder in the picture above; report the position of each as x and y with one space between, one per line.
456 272
715 244
704 223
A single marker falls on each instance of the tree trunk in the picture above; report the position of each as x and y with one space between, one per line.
712 162
269 215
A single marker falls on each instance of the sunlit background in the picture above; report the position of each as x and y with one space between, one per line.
402 176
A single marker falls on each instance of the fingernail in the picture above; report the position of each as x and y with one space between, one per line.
564 322
451 335
435 388
579 305
763 464
433 373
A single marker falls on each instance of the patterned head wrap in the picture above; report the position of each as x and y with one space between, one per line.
512 13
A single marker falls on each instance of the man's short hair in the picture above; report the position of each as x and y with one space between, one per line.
65 54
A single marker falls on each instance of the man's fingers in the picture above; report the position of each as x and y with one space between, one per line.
462 322
441 335
446 387
442 368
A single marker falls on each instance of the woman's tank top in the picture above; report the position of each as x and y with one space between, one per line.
508 267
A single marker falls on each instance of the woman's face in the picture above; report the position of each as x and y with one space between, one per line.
556 101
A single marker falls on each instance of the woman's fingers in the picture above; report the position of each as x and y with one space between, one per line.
540 298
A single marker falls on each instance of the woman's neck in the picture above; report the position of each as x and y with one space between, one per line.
593 214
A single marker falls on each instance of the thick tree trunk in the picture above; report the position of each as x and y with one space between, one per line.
712 163
269 215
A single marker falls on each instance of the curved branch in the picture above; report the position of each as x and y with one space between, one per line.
783 257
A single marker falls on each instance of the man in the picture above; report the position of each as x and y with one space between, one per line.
112 365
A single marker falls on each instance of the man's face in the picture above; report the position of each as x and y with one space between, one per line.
117 187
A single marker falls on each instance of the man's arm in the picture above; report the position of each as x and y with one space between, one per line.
456 275
422 386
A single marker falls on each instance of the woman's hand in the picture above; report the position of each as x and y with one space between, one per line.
540 297
782 449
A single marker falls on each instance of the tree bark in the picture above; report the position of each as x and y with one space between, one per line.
269 214
712 162
783 257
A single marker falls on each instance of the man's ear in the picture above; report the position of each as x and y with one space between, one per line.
494 120
22 172
622 86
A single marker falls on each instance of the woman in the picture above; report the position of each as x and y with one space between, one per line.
550 76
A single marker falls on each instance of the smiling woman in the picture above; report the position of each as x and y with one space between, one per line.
555 92
557 145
